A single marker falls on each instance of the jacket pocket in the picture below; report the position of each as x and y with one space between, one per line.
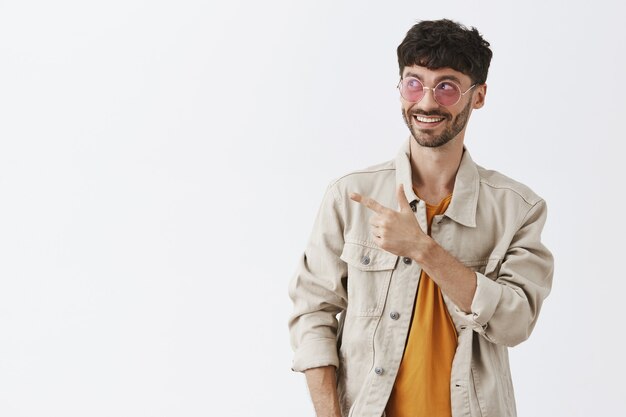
369 274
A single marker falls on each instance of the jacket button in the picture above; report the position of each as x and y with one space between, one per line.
365 260
394 315
379 370
406 260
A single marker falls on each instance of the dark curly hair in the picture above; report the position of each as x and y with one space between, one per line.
446 44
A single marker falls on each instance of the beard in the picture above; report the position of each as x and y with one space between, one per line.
450 132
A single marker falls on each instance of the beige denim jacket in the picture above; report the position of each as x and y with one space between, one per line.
353 301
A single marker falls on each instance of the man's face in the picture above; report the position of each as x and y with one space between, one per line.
431 124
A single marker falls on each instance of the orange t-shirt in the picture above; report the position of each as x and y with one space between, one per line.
422 386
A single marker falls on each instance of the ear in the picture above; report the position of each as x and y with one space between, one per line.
479 96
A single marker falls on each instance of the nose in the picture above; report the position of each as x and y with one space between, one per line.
427 102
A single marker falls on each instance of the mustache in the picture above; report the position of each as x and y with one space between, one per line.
430 113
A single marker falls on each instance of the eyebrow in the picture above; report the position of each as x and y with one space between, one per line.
438 79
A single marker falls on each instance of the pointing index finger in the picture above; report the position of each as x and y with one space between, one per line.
368 202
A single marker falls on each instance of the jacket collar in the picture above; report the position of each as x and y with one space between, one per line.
462 208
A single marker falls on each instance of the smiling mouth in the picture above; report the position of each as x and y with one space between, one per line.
424 119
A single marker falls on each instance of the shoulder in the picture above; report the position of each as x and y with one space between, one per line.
367 177
494 182
383 169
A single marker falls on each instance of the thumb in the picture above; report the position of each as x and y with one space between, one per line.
404 203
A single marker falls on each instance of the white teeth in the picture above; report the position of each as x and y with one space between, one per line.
429 119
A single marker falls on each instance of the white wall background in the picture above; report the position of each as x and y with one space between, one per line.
161 164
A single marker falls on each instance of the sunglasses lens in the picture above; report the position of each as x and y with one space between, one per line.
447 93
412 89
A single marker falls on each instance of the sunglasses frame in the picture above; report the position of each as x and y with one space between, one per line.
399 87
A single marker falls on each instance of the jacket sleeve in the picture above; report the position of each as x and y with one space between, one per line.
505 310
317 289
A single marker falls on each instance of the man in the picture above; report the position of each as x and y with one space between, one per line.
422 270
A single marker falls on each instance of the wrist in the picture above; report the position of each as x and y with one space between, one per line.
422 249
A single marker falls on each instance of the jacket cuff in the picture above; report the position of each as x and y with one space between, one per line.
484 304
315 353
486 299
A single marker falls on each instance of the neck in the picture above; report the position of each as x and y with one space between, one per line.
434 169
